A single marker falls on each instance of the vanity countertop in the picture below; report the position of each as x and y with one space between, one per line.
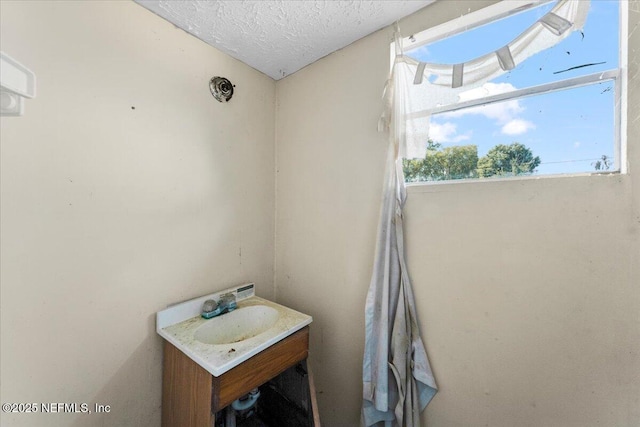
174 326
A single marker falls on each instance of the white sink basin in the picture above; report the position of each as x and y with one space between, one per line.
223 342
238 325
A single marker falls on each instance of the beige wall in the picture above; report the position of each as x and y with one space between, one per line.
527 291
110 213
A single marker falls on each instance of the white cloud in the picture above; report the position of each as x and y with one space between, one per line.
517 127
502 112
446 132
506 113
577 144
486 89
421 52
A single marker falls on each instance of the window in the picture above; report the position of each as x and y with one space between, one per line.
559 111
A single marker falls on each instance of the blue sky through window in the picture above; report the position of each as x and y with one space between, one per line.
569 130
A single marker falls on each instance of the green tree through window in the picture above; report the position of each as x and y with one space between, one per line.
507 160
462 162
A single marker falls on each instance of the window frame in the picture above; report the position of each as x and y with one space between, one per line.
503 9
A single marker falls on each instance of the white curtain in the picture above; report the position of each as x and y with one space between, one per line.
397 379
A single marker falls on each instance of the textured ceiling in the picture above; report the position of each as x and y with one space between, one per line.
280 37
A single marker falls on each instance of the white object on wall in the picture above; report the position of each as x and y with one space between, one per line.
16 83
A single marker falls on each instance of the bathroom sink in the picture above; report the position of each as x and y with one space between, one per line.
223 342
239 325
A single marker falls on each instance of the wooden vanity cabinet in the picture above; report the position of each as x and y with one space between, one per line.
191 396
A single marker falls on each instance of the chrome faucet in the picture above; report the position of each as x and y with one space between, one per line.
225 304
